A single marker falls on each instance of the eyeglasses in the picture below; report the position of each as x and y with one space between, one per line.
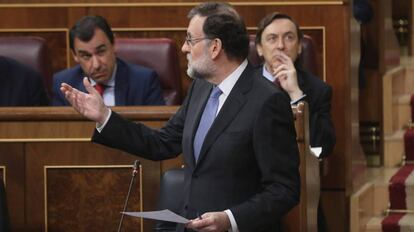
193 41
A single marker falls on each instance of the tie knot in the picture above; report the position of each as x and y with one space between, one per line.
100 88
216 92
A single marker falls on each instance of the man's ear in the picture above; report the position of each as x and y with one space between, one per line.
259 50
75 57
215 48
114 48
300 47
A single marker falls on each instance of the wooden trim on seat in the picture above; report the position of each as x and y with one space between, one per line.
304 216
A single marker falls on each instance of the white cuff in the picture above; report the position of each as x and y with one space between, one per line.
233 223
294 102
99 128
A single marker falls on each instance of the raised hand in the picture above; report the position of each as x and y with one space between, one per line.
210 222
89 104
284 70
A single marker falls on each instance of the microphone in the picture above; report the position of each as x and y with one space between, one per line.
131 183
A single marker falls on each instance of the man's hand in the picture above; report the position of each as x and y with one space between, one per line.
210 222
89 104
284 70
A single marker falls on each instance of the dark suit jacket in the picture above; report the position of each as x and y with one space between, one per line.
249 160
134 85
20 85
319 97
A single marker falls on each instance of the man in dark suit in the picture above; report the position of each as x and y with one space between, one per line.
20 85
241 172
120 83
278 41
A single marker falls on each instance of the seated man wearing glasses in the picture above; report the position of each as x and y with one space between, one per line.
119 83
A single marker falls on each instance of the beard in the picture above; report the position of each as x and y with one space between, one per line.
201 68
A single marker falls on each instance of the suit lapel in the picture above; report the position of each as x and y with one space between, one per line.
121 84
302 84
229 110
301 81
202 93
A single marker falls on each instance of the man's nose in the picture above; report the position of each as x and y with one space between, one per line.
280 44
185 48
95 62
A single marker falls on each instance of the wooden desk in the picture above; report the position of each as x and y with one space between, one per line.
57 180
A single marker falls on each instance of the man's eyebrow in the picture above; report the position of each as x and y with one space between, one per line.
100 47
83 52
289 32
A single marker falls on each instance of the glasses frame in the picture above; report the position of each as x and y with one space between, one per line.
193 41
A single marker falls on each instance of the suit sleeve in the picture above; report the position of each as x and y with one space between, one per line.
138 139
154 94
320 122
277 155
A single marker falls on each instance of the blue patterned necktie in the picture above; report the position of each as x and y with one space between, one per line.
206 120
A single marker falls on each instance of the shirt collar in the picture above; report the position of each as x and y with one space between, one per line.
228 83
267 74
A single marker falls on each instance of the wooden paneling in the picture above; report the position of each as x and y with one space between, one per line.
89 195
40 167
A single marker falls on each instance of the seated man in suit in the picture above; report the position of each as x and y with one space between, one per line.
234 129
278 41
20 85
120 83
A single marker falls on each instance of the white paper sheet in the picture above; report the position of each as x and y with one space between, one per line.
161 215
316 151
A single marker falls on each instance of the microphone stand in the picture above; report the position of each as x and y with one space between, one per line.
131 183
